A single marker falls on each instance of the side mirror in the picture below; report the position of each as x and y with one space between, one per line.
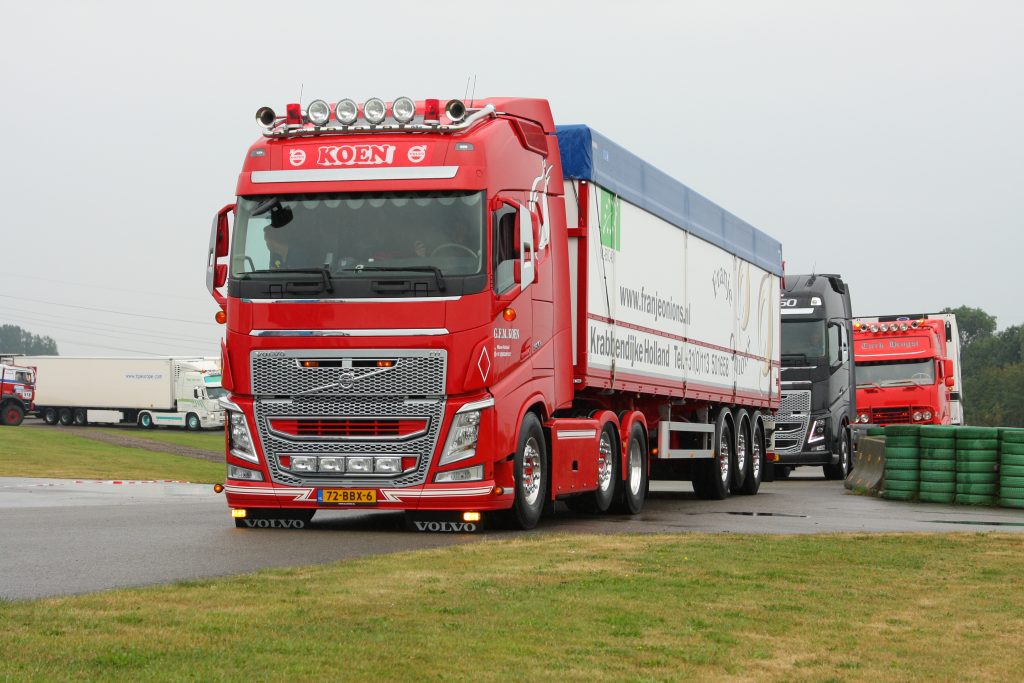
217 273
517 272
220 275
195 392
947 368
221 235
950 382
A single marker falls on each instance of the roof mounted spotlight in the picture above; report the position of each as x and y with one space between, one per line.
266 116
346 111
456 110
403 109
375 110
319 112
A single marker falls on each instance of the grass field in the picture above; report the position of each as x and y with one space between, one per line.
212 441
46 452
562 608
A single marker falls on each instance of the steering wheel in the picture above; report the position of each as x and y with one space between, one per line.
453 245
919 375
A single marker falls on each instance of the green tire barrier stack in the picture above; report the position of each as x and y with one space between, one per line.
977 465
876 431
902 462
937 446
1011 468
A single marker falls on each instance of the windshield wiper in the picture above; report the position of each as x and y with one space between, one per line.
324 272
438 276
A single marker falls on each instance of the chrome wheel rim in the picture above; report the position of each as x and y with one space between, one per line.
755 453
604 462
531 471
844 457
741 452
635 467
723 457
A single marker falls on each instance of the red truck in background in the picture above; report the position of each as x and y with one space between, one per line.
908 370
456 310
17 391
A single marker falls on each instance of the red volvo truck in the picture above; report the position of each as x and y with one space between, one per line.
460 310
908 370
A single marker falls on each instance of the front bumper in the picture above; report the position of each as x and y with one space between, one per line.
477 495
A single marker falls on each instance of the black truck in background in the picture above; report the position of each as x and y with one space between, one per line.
812 426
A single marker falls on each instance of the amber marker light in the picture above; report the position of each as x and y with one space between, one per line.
238 513
498 491
470 516
509 314
221 317
385 363
217 488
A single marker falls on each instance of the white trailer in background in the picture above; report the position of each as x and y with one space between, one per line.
147 391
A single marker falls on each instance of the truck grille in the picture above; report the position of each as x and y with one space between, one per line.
349 403
396 372
791 421
426 411
890 416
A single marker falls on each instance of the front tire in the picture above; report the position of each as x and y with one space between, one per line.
192 422
12 414
531 474
146 421
842 468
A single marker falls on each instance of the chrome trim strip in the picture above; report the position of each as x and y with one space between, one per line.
476 405
797 311
577 434
327 175
427 332
389 300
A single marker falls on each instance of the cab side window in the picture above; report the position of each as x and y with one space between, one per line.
505 248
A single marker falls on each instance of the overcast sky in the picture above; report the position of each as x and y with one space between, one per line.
877 139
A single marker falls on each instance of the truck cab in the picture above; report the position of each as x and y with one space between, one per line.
17 391
907 371
818 389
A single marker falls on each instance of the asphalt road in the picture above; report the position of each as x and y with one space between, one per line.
62 537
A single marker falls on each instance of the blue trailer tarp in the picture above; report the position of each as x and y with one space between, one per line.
588 155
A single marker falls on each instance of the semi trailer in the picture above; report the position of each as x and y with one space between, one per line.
150 392
464 310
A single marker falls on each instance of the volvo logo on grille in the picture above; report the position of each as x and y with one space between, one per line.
346 380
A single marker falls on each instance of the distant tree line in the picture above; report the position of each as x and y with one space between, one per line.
14 339
993 369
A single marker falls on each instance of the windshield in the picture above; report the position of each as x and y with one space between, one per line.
353 232
803 338
216 392
896 372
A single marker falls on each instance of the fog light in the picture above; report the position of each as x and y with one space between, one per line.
389 465
304 463
238 513
375 110
332 464
360 465
244 473
470 516
403 109
346 111
318 112
475 473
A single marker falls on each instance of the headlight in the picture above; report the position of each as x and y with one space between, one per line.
864 418
240 440
927 414
318 112
816 432
462 437
917 416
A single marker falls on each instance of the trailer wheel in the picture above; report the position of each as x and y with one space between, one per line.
714 474
607 475
843 467
146 421
755 455
65 417
741 452
530 466
12 414
80 417
50 416
192 422
632 489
